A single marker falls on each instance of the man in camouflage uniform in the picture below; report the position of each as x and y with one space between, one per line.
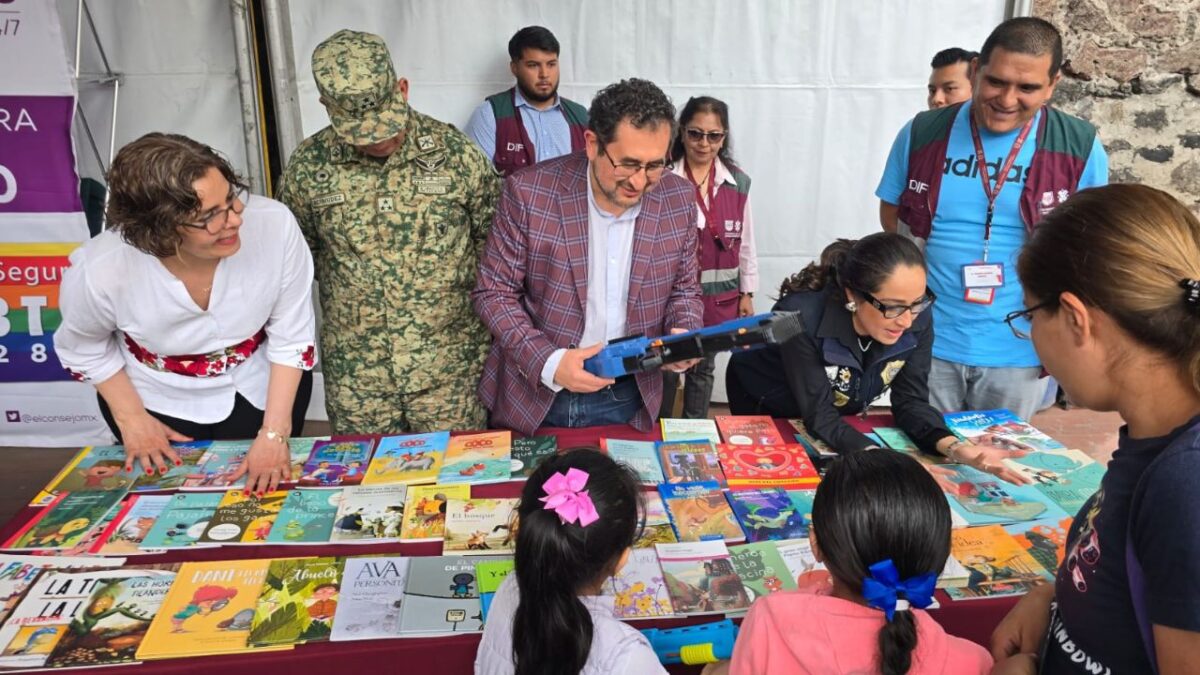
396 207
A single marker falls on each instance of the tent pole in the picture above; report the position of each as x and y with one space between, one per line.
248 93
283 77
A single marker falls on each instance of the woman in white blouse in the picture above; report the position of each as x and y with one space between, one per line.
192 314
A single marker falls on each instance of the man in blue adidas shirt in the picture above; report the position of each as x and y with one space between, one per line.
932 190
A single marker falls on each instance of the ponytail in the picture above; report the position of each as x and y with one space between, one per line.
862 265
555 561
897 640
817 275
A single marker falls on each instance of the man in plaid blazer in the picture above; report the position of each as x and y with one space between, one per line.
586 248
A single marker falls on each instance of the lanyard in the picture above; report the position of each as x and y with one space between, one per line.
707 210
1001 175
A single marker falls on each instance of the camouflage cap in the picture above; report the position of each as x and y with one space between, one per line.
357 82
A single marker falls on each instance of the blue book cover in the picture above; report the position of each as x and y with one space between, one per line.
1000 429
641 456
337 463
767 514
183 521
699 512
983 499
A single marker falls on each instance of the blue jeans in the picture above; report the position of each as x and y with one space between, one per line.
615 404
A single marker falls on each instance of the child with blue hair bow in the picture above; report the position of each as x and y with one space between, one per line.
881 525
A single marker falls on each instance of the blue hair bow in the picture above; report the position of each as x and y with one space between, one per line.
882 589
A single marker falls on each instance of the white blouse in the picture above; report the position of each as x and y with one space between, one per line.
113 293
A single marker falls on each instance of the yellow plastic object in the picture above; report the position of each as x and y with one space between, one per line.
696 655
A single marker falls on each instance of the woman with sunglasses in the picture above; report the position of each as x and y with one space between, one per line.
728 264
191 326
866 330
1112 290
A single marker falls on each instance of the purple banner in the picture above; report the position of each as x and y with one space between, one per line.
37 162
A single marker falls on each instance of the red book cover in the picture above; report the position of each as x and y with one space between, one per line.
757 466
749 430
112 526
34 520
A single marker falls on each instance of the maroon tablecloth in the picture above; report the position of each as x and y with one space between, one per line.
973 620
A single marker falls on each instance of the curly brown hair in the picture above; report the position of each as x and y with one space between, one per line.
150 189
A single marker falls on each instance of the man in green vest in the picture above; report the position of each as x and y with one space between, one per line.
968 182
530 122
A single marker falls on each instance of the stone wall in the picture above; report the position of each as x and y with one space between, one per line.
1132 68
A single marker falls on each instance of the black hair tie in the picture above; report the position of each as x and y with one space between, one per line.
1191 293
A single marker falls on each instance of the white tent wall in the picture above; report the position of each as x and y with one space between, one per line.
178 72
816 90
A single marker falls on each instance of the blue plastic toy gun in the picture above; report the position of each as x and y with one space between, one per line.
636 353
694 645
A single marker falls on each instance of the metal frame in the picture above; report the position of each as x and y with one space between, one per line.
109 77
248 83
288 126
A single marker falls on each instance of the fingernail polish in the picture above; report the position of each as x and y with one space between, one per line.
178 462
149 472
163 470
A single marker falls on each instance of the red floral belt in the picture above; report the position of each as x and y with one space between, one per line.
199 365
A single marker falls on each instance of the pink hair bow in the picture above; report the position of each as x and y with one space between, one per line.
566 497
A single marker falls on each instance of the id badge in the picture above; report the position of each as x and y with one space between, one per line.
980 296
983 275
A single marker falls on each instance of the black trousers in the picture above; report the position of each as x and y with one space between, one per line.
243 422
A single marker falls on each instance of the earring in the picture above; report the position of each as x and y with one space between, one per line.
851 306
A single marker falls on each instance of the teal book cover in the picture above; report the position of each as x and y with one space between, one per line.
183 521
306 517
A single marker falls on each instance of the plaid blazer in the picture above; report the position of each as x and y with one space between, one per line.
532 285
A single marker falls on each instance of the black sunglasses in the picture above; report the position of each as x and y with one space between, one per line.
697 135
895 311
1026 314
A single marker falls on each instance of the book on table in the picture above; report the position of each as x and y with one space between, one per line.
527 453
768 514
113 623
762 569
762 466
98 467
411 459
641 456
480 526
425 511
639 589
297 603
690 462
1000 429
996 564
441 597
337 463
372 598
306 516
243 518
699 511
749 430
701 578
478 458
183 521
125 534
66 521
490 574
369 514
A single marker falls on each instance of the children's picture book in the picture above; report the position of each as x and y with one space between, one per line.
817 449
183 521
66 521
243 518
372 599
306 516
899 441
370 514
749 430
113 623
336 463
441 597
759 466
953 575
189 454
1066 477
209 610
480 526
490 573
762 569
699 512
528 452
802 565
18 572
99 467
689 462
996 564
1000 429
297 602
425 510
216 468
478 458
1046 540
639 590
410 459
803 501
983 499
675 429
298 451
701 578
125 534
657 528
641 456
768 514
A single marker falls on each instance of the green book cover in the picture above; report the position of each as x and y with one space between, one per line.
189 453
113 624
297 603
307 516
527 452
66 521
183 521
761 568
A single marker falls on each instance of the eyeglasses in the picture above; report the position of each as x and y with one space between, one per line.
697 135
214 221
895 311
628 168
1026 314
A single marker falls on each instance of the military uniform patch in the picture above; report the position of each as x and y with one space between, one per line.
426 142
431 163
328 200
384 204
432 185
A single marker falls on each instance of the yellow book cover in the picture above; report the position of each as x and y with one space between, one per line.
996 564
208 610
411 459
425 510
103 470
478 458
